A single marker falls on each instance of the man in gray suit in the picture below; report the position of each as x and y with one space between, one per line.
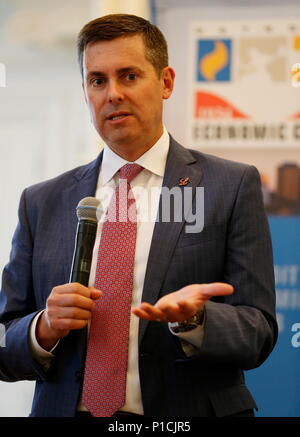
203 303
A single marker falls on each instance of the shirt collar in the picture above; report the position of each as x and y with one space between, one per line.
153 160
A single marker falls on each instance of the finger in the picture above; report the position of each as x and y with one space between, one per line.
70 300
148 312
173 314
141 314
76 288
154 311
68 324
216 289
95 293
74 313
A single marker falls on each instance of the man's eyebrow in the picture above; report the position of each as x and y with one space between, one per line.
95 74
98 73
128 69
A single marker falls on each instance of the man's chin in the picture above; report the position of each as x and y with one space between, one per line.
119 138
119 145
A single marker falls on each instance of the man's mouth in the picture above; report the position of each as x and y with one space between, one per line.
117 116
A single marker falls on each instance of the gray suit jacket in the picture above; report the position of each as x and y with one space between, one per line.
233 247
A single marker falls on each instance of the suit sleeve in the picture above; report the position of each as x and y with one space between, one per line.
18 307
241 329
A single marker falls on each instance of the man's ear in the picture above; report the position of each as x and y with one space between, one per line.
168 78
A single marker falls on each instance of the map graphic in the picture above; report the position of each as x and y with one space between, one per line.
263 55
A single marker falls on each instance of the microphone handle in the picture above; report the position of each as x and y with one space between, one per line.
83 252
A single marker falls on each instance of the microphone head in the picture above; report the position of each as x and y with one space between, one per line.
87 209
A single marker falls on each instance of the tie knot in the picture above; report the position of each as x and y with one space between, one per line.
130 171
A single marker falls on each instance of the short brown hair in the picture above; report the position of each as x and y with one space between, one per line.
114 26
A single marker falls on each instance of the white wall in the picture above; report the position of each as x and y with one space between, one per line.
44 124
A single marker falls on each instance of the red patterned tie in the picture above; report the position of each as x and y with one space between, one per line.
104 386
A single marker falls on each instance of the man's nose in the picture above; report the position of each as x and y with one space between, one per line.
115 93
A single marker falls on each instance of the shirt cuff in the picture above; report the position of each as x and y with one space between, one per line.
194 337
191 341
40 354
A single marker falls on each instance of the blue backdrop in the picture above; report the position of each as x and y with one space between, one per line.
276 384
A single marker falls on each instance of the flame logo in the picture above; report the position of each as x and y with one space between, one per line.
214 61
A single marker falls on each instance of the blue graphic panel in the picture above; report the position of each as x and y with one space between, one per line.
276 384
213 60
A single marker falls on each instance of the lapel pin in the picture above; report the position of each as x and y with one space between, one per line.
184 181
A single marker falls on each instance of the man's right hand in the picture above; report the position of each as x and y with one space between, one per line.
68 307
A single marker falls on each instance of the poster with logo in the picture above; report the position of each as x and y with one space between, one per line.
243 76
245 95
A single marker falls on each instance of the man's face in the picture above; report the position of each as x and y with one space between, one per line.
124 93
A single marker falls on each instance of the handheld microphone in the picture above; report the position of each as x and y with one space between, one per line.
85 239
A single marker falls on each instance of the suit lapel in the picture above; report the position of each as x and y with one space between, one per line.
84 185
165 235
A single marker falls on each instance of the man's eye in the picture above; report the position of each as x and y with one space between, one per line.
131 76
97 82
